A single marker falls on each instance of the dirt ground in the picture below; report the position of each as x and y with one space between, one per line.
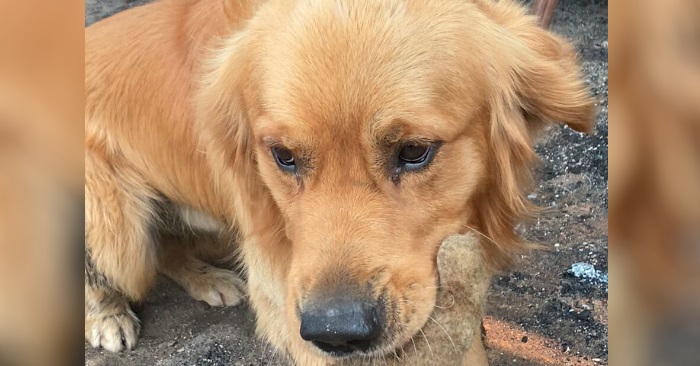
538 314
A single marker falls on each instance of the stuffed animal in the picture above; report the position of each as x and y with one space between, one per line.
452 335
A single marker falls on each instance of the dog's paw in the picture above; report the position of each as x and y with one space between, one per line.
216 287
115 332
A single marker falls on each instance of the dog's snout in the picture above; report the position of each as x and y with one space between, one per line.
340 326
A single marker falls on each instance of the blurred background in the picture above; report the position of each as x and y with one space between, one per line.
655 182
653 174
41 190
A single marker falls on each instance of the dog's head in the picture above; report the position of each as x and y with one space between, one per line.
380 127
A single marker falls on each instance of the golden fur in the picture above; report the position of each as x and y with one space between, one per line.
184 100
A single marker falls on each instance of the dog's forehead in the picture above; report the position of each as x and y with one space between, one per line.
338 61
339 57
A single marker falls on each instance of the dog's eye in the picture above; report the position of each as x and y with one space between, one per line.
414 156
284 159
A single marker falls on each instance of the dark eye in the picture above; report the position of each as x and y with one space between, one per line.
414 156
284 159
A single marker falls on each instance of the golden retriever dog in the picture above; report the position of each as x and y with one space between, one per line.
337 142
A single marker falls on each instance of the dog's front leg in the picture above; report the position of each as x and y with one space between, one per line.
120 254
180 262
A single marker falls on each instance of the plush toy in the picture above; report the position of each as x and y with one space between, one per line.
453 334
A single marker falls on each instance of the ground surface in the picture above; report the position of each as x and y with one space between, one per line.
539 314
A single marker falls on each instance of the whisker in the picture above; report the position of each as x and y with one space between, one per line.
428 343
445 331
483 235
429 287
447 307
405 355
396 356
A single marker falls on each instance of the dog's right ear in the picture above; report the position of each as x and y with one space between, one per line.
223 104
220 101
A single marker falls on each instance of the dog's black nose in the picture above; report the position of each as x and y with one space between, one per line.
340 326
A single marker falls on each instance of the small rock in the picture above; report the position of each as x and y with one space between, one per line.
584 315
587 271
166 344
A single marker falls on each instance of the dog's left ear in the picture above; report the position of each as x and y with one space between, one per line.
546 81
552 88
535 81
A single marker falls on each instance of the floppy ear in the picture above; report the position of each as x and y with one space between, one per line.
542 69
549 84
222 105
537 82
